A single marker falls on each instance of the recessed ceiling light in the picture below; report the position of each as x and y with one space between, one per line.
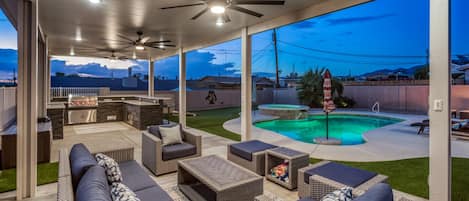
217 9
139 47
95 1
220 22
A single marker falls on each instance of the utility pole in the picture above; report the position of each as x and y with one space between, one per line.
277 78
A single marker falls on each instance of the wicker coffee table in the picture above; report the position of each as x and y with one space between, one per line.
214 178
296 160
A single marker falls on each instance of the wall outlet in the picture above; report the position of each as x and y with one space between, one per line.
111 118
438 105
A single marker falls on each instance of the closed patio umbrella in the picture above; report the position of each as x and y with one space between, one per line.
328 104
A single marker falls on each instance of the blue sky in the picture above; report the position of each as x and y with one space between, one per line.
382 34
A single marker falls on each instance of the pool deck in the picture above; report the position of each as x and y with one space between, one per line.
392 142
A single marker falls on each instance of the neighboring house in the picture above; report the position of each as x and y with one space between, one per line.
464 69
135 84
224 82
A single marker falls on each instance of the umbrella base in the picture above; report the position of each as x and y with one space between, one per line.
325 141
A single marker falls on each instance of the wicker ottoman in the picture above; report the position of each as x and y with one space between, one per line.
296 160
249 154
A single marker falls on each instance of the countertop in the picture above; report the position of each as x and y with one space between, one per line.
139 103
56 105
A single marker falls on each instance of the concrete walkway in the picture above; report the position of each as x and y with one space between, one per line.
392 142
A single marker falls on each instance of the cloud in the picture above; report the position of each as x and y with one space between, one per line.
348 20
94 69
111 64
198 64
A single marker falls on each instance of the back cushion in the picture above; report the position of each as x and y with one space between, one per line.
93 186
80 160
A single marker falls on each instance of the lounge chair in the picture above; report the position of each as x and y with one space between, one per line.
422 125
315 181
161 159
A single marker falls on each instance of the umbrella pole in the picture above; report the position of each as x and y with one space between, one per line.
327 125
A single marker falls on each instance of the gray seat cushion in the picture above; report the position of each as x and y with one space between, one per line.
379 192
153 193
80 161
178 151
343 174
93 186
134 176
246 149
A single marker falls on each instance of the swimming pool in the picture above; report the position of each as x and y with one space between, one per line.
349 128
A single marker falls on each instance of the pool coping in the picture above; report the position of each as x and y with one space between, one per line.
392 142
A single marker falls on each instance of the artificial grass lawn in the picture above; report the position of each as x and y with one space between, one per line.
46 173
212 121
411 175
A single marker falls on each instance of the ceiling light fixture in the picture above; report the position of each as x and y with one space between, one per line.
78 38
95 1
72 53
139 47
161 46
220 22
134 56
217 9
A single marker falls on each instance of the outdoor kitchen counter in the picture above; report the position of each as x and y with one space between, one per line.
139 103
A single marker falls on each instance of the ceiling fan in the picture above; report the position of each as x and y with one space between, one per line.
220 6
143 42
115 57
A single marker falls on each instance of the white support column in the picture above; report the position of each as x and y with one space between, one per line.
182 88
48 77
151 78
246 85
440 86
27 99
41 82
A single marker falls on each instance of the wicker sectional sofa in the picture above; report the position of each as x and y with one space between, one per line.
81 179
315 181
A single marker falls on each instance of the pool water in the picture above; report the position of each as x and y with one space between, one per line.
346 127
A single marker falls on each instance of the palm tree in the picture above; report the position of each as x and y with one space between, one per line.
310 90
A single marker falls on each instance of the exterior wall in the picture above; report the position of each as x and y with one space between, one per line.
286 96
7 106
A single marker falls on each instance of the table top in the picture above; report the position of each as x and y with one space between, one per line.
287 153
218 173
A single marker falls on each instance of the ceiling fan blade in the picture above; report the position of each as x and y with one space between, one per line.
169 45
182 6
125 38
249 2
226 18
246 11
145 39
200 13
161 41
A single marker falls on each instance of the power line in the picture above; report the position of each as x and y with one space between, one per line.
345 61
351 54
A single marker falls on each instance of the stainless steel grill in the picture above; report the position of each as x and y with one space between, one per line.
82 109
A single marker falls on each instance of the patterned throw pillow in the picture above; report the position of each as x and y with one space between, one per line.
343 194
120 192
113 172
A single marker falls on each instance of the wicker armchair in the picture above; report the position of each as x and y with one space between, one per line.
153 152
320 186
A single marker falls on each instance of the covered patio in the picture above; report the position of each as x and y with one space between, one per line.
58 28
